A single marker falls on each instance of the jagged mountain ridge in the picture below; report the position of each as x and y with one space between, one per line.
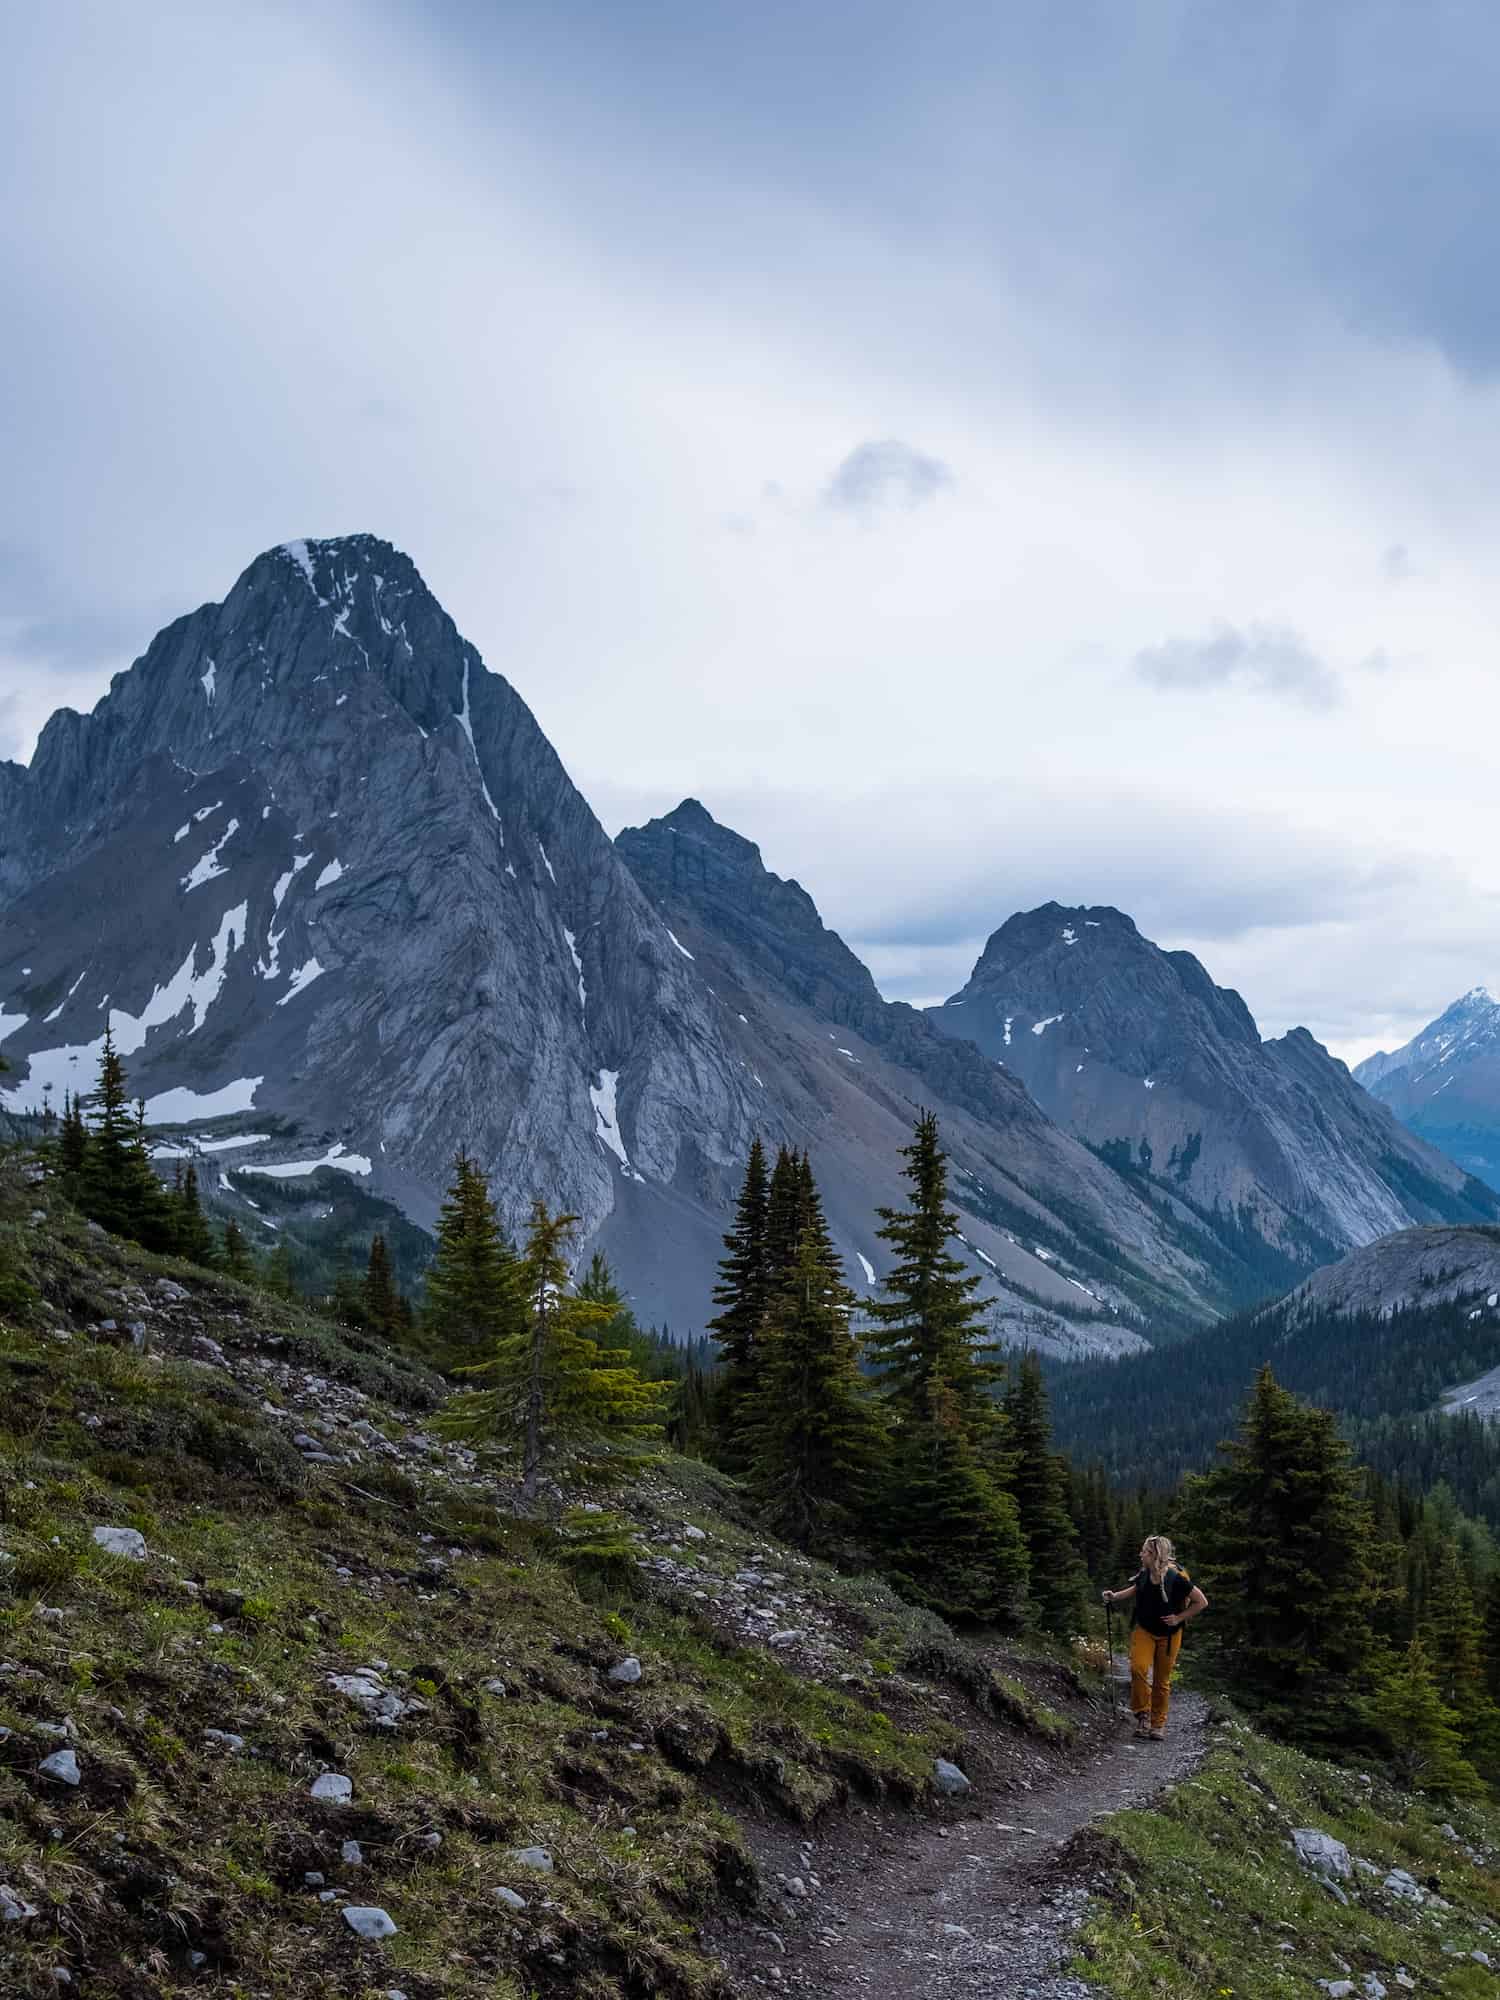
1137 1051
1444 1084
275 852
333 889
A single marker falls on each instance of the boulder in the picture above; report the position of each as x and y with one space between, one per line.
948 1778
122 1542
1322 1854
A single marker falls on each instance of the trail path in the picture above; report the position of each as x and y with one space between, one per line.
982 1909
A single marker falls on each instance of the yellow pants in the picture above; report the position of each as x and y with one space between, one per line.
1151 1662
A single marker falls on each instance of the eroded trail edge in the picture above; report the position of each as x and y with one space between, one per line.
978 1908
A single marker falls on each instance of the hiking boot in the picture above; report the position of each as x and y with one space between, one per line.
1143 1726
1157 1735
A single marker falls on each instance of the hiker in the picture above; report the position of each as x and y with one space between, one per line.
1165 1599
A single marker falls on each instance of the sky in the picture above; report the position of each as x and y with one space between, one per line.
987 455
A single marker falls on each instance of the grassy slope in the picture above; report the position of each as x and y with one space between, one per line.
178 1865
1208 1899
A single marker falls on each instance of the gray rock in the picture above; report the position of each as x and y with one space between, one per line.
224 1739
352 1854
367 1921
787 1638
510 1899
61 1767
121 1542
1404 1886
1321 1853
1372 1987
333 1786
1337 1989
949 1778
626 1672
313 1878
494 1687
14 1909
536 1858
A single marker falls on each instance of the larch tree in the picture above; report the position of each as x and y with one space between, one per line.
551 1394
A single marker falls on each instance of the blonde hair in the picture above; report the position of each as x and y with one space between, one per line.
1160 1556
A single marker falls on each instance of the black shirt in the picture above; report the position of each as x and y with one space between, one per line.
1154 1600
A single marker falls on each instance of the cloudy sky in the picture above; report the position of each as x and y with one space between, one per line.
986 454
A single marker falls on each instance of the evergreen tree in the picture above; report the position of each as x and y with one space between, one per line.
741 1296
927 1321
1039 1486
1410 1714
1453 1635
550 1392
190 1233
472 1286
72 1148
236 1255
117 1188
951 1538
381 1300
810 1433
1282 1529
276 1273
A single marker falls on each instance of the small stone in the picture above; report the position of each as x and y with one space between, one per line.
225 1740
352 1854
795 1886
788 1638
1372 1988
368 1922
1404 1886
509 1898
1482 1958
494 1687
314 1878
949 1779
1337 1989
626 1672
122 1542
329 1895
61 1765
433 1841
334 1786
14 1909
536 1858
692 1534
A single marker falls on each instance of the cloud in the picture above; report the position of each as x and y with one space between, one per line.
1268 659
886 473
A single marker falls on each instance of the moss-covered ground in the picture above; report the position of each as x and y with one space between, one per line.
300 1524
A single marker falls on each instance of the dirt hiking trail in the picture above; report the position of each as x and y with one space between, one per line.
978 1908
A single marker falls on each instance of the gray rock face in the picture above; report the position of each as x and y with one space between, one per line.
316 862
806 1019
1136 1051
1445 1083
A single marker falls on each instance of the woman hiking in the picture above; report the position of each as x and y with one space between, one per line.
1165 1599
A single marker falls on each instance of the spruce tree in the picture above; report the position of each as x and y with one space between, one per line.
276 1273
380 1297
551 1395
927 1320
1421 1729
72 1148
190 1233
118 1189
1039 1485
741 1296
236 1255
472 1286
1282 1533
810 1433
951 1537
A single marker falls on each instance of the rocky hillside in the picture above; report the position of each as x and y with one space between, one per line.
293 1703
1138 1053
1444 1084
1414 1267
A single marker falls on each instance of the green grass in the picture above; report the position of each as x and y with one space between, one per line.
240 1615
1209 1899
